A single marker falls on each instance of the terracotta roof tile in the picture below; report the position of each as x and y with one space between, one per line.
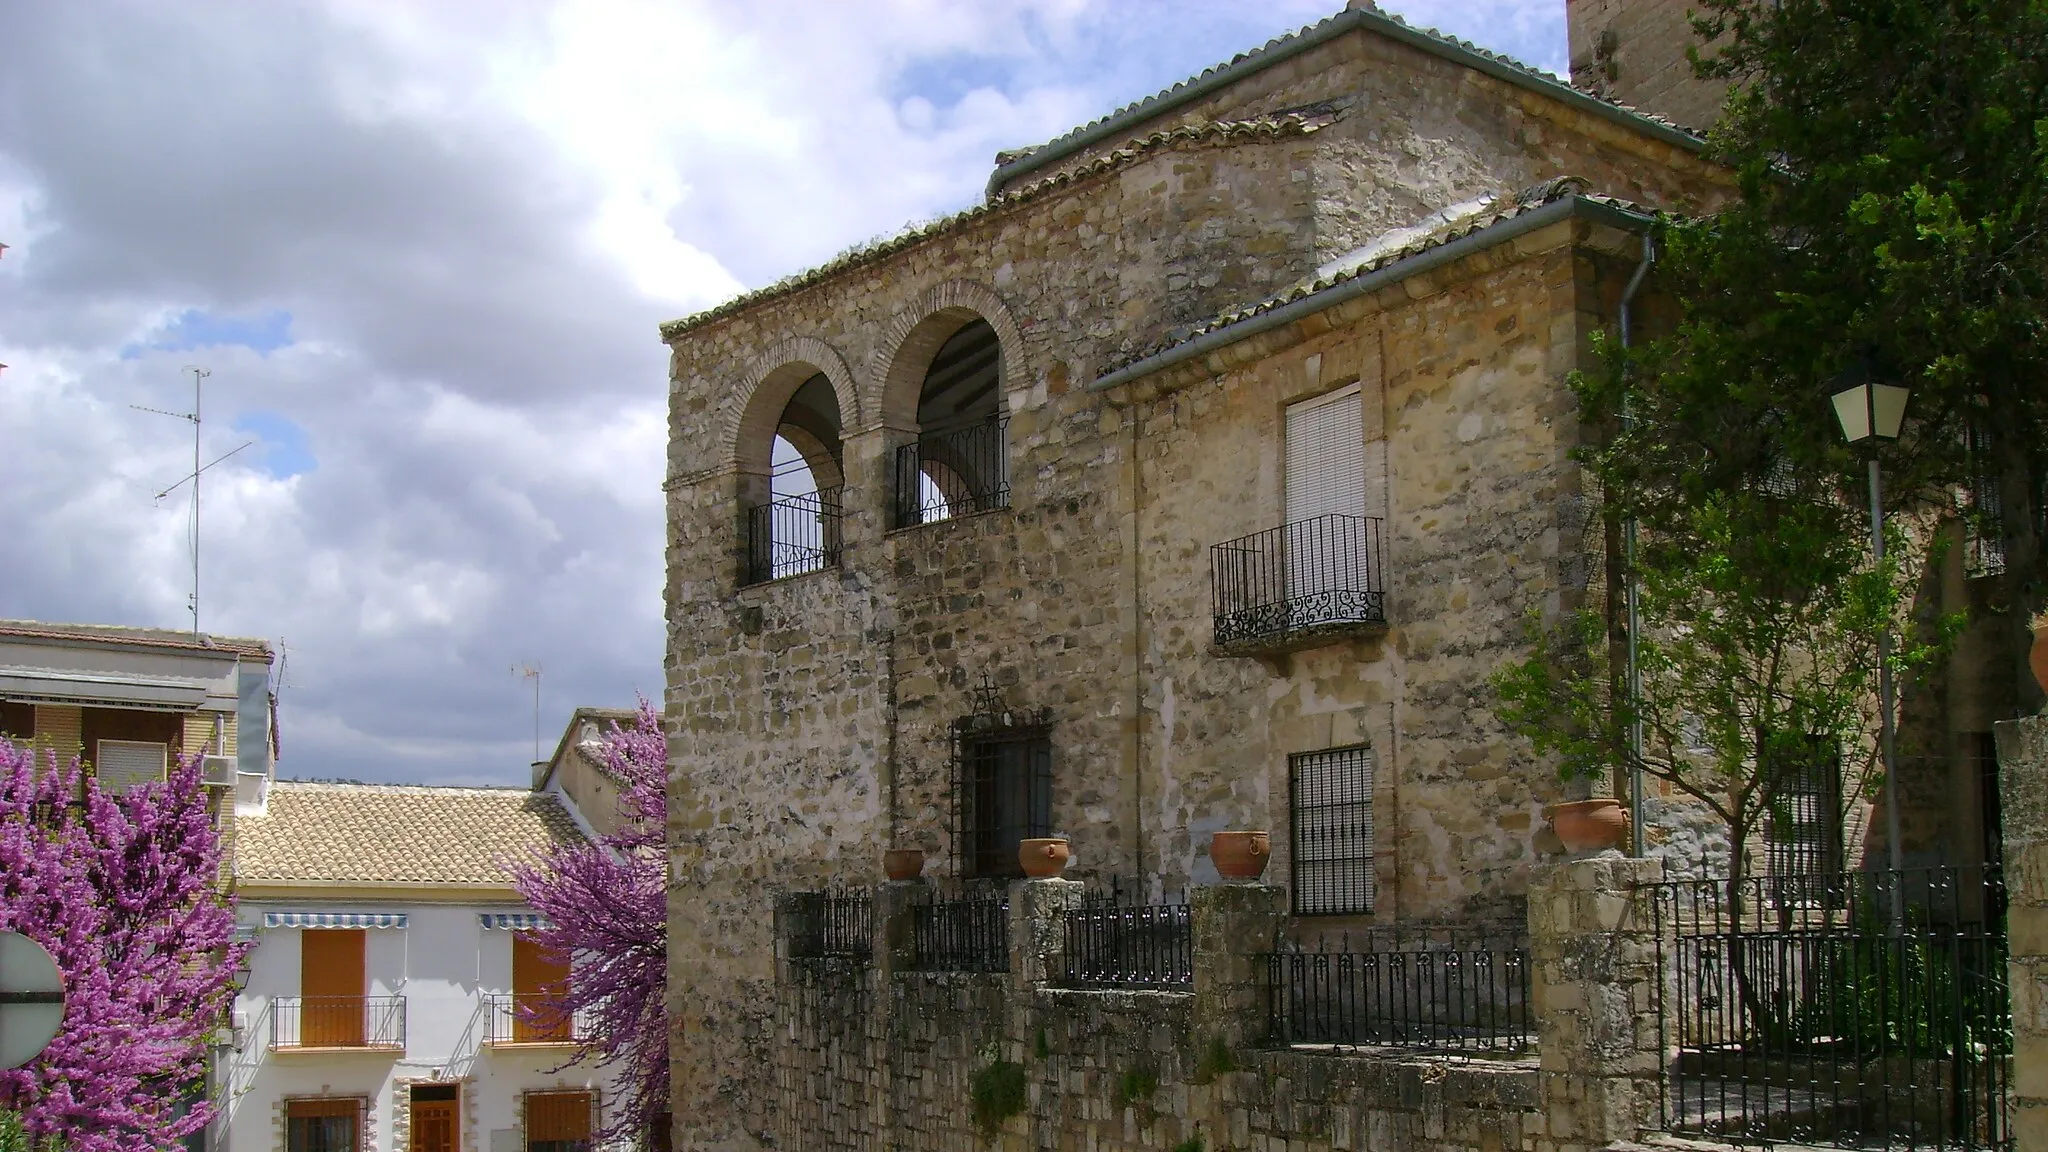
397 834
136 637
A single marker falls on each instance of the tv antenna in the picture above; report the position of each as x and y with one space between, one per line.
532 672
199 376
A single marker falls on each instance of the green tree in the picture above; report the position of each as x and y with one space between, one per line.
1891 159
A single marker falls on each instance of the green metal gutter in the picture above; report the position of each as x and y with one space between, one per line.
1456 52
1561 209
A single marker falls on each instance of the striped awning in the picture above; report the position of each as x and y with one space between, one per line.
334 919
514 921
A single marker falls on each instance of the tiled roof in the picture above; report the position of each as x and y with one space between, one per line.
136 637
1219 132
1501 211
1019 162
396 834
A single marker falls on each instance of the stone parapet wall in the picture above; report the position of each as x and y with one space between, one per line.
2023 781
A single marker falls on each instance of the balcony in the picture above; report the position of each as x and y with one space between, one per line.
337 1024
953 473
1299 585
528 1020
792 535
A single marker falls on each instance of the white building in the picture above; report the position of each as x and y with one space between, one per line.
378 1012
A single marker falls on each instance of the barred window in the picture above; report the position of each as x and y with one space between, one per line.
1005 796
1805 802
1330 797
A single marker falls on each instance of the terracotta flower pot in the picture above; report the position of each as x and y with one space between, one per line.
1240 855
903 863
1043 856
1589 825
2037 657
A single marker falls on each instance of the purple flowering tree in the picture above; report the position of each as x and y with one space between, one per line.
123 891
606 905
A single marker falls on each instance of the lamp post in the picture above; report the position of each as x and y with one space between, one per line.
1870 411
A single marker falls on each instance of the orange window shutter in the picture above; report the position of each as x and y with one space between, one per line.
539 977
557 1116
331 987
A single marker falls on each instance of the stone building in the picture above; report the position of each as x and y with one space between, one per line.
1197 479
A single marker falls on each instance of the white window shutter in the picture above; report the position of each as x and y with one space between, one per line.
126 764
1326 456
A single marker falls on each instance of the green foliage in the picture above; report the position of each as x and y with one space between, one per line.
1040 1045
1216 1060
996 1093
1137 1084
1191 1144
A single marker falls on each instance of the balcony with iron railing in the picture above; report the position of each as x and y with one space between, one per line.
952 473
793 535
529 1019
1299 585
337 1023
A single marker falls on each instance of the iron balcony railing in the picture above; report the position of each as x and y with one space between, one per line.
337 1022
792 535
1113 944
956 472
964 933
827 925
1314 576
1434 989
1862 1010
531 1018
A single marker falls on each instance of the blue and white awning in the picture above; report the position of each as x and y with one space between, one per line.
334 919
514 921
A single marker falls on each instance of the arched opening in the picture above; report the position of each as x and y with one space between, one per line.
960 461
796 529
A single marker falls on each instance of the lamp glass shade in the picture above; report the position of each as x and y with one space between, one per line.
1855 407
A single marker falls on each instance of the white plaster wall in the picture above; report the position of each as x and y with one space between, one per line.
443 962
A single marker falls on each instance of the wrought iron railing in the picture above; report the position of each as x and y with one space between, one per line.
1440 989
1865 1009
822 925
337 1022
531 1018
1113 944
969 932
792 535
952 473
1312 576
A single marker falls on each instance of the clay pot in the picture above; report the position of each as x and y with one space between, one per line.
903 863
1240 855
1043 856
2037 657
1589 825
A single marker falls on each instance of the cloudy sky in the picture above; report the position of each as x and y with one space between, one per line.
422 249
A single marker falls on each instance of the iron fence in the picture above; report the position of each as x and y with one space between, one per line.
1315 575
955 472
820 925
968 932
1110 943
1430 988
792 535
337 1022
531 1018
1865 1009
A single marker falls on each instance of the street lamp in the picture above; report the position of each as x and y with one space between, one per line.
1871 411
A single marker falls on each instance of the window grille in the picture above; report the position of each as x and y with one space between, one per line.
1805 803
1002 784
1985 552
326 1125
1330 798
560 1121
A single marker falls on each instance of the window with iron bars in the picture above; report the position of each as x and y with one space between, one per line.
953 472
1002 789
1804 837
1330 803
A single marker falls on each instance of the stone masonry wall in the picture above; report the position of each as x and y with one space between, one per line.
1634 51
808 718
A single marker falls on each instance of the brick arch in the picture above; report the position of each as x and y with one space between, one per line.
916 335
755 408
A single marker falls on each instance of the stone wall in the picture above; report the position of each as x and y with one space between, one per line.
1634 51
2023 777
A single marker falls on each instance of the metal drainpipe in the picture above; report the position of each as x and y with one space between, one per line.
1635 674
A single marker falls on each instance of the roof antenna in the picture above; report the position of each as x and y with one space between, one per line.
532 672
199 376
